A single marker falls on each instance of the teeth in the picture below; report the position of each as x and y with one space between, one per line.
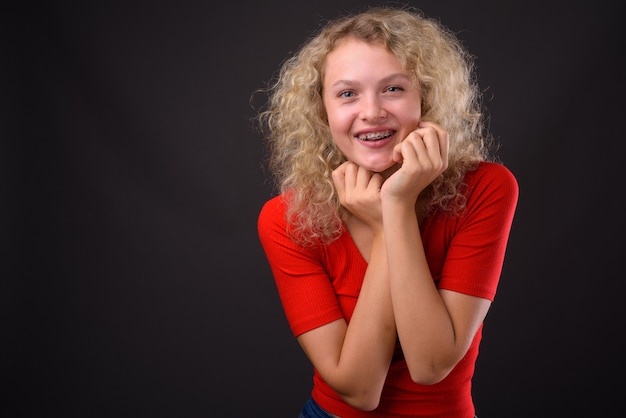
375 135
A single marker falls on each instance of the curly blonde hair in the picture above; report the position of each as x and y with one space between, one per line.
301 152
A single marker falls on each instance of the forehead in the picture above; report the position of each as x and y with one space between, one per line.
356 56
351 45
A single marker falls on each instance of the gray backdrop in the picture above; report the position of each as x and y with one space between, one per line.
133 282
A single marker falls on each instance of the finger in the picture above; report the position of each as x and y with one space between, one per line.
376 181
349 182
397 153
436 142
411 148
426 124
442 138
350 174
430 139
339 179
444 146
363 177
341 170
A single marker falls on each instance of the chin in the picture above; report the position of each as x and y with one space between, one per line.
376 165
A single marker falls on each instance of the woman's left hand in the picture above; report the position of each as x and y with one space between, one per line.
423 156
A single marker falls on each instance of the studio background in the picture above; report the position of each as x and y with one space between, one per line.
133 281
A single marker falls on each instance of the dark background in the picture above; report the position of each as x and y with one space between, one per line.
133 282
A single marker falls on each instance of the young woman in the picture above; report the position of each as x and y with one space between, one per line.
388 236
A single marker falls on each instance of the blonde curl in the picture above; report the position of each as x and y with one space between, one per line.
301 152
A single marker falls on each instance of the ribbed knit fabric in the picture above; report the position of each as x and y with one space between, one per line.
465 254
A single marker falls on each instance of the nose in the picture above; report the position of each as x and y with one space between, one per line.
372 108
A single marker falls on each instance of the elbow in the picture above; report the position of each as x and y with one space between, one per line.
361 393
363 398
429 375
363 402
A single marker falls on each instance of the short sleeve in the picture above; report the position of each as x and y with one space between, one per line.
303 285
475 256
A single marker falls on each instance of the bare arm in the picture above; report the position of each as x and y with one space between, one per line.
354 358
435 327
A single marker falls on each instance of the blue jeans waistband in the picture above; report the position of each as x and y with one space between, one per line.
312 410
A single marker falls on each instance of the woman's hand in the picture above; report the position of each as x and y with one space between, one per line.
359 192
423 156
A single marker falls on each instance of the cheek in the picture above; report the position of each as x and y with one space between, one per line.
411 119
411 110
338 123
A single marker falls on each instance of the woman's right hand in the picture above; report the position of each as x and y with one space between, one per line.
359 192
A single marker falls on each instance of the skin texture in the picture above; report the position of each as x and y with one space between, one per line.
366 91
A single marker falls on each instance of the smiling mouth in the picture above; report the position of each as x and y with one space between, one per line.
375 136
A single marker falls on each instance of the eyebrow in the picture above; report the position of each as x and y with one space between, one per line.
387 79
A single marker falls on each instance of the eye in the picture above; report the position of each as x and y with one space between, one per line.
395 89
346 94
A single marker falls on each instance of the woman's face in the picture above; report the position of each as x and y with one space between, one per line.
371 103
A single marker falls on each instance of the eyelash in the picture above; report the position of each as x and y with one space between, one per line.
348 93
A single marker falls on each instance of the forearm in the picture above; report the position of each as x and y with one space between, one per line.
424 326
370 336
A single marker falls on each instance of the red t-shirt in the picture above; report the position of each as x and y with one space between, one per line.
320 284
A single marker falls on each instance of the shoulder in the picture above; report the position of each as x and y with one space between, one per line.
491 171
272 219
490 175
273 205
272 212
491 189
